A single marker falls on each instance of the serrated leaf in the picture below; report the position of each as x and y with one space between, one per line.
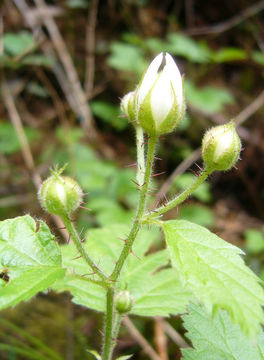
154 291
215 273
30 258
218 338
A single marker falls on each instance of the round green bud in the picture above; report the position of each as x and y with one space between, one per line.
123 302
221 147
128 106
60 195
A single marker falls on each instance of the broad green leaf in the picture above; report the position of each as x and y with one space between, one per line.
16 43
154 291
218 338
209 99
30 258
215 272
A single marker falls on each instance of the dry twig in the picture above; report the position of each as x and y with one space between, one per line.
160 338
90 45
140 339
228 24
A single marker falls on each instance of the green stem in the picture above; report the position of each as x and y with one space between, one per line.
77 242
179 198
111 333
140 211
108 342
140 155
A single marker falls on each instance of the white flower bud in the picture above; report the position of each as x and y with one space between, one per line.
159 97
128 105
221 147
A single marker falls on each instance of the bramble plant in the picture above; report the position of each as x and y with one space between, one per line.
198 273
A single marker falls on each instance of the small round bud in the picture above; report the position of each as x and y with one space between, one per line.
60 195
221 147
160 97
128 106
123 302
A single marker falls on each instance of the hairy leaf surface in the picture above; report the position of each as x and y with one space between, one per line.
30 260
218 338
215 272
154 291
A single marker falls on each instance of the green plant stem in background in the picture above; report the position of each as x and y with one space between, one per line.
109 334
77 242
179 198
140 155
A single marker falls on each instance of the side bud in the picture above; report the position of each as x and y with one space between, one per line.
128 106
221 147
60 195
123 302
160 97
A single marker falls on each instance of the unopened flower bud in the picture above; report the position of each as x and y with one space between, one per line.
123 302
221 147
60 195
128 105
159 96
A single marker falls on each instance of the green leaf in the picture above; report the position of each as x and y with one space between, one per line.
30 258
154 291
17 43
95 354
124 357
254 241
9 142
109 113
229 54
197 213
218 338
215 273
258 57
185 46
209 99
127 57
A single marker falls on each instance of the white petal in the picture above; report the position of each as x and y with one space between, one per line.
162 99
149 78
172 71
226 139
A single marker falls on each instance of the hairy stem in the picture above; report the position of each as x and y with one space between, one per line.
179 198
77 242
140 155
140 211
111 333
109 320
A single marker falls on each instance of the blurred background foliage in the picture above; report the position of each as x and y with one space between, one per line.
64 67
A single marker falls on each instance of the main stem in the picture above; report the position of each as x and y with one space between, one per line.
140 211
109 331
77 242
